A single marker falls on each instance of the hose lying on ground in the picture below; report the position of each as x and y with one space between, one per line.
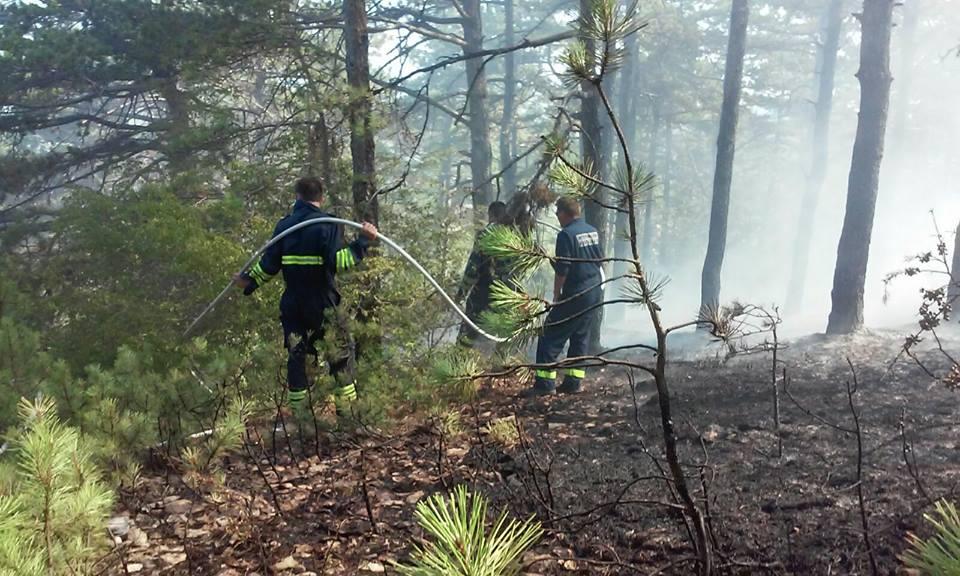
350 223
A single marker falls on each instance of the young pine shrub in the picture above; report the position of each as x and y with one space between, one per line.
460 544
938 555
504 431
447 422
201 461
19 553
453 374
53 513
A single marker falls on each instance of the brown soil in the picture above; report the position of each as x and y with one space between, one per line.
585 468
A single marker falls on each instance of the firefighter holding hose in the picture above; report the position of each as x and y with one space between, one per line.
309 259
480 274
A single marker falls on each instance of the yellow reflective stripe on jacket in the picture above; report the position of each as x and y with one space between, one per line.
345 259
548 374
577 373
301 260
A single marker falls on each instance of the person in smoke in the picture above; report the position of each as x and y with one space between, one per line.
577 299
309 259
480 274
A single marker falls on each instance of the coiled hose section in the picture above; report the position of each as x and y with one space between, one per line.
351 224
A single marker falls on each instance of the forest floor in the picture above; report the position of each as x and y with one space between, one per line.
584 465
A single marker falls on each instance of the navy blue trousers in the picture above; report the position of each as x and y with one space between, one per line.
477 303
570 322
300 338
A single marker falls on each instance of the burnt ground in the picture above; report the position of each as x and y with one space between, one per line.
585 466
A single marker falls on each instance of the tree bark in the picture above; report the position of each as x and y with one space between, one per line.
900 145
911 18
649 206
726 146
628 113
953 291
591 144
666 180
362 146
829 45
853 251
481 154
319 153
508 130
179 158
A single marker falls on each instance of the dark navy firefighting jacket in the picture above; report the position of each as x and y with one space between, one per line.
483 270
309 259
579 241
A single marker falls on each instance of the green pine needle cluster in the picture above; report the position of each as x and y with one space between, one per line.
504 432
456 371
513 314
938 555
574 179
577 61
226 437
643 185
460 543
599 50
556 143
53 515
520 250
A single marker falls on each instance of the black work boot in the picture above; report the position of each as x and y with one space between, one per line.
541 387
570 386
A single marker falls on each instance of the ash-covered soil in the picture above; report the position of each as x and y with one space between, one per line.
589 466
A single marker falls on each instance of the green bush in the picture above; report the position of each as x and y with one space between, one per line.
461 544
136 403
401 341
92 315
54 506
938 555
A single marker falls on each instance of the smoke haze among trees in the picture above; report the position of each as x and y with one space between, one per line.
754 169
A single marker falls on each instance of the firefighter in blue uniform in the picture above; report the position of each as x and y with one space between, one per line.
309 259
577 297
481 272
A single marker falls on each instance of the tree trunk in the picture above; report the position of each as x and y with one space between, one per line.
447 128
911 18
262 99
628 114
507 122
953 291
726 145
319 154
481 154
591 143
179 158
829 45
666 180
897 169
607 171
854 249
365 204
646 242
